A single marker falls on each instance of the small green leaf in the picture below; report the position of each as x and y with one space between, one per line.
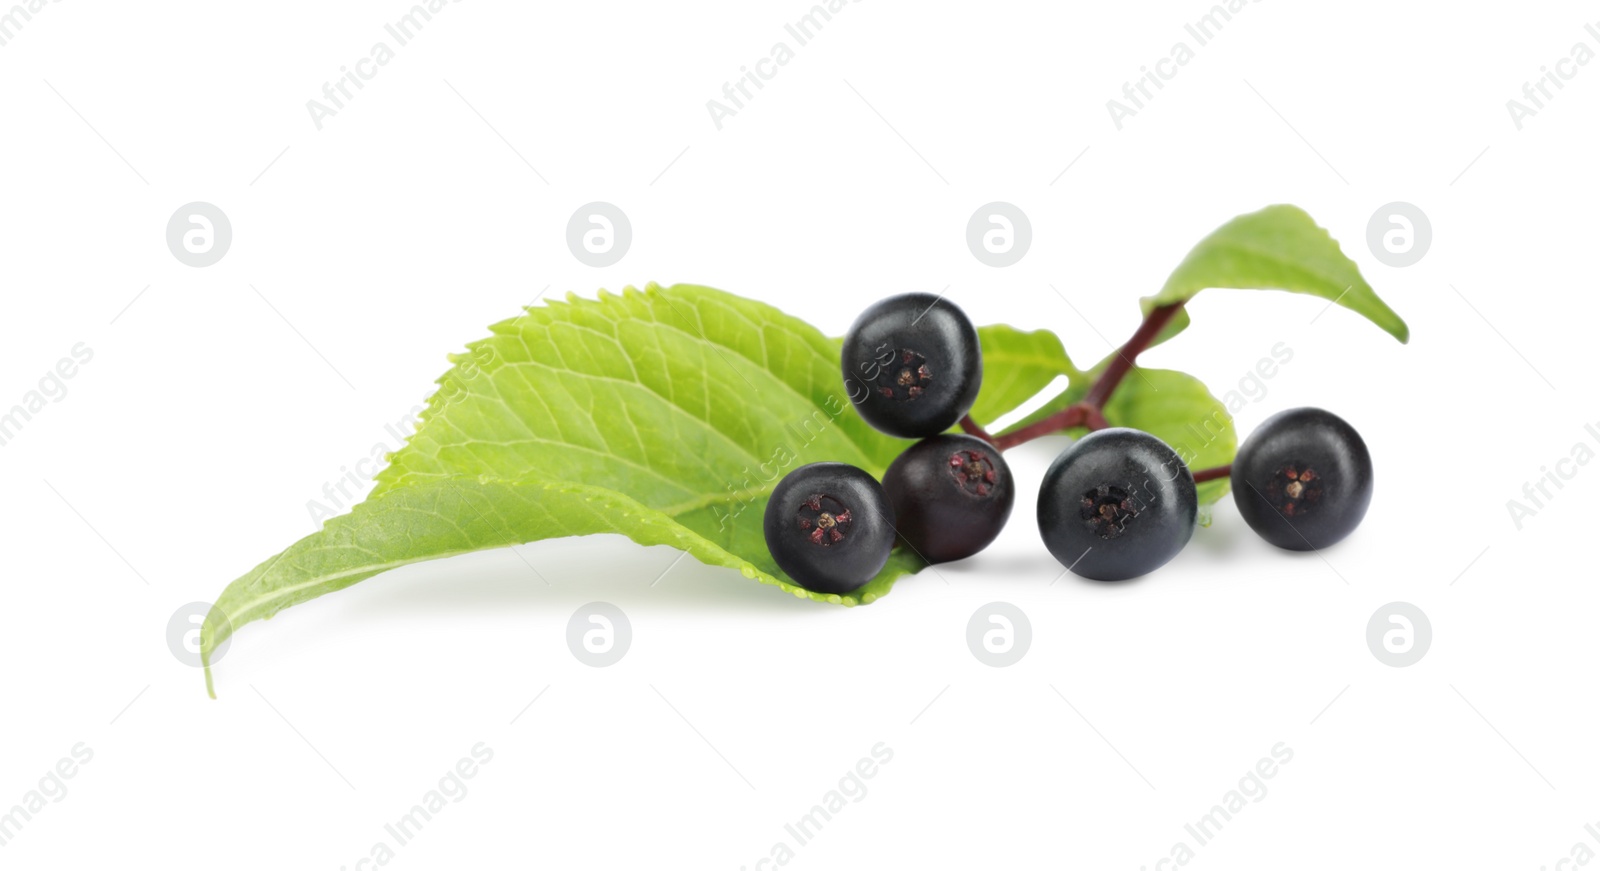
1277 248
1016 366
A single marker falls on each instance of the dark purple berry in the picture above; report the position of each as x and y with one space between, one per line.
1117 504
951 496
1303 479
912 365
829 527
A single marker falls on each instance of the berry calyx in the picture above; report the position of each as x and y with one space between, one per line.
1107 509
1116 504
906 379
951 494
829 527
912 365
825 518
973 470
1303 479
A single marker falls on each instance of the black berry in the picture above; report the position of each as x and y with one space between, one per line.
912 365
951 496
1117 504
1303 479
829 527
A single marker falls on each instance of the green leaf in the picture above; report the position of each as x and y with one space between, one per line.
665 415
451 516
668 395
1277 248
1016 366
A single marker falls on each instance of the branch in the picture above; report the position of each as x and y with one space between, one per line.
1077 414
1090 411
1101 392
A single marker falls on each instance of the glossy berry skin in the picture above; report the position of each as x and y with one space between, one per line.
951 496
1303 479
911 365
1117 504
829 527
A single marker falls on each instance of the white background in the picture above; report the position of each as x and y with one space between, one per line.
187 449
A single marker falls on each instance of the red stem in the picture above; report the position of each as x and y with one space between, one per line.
972 428
1073 415
1089 412
1212 474
1100 393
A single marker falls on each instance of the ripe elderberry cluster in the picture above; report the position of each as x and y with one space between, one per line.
1116 504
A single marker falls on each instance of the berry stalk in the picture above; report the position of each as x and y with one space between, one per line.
1212 474
972 428
1077 414
1089 412
1100 393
